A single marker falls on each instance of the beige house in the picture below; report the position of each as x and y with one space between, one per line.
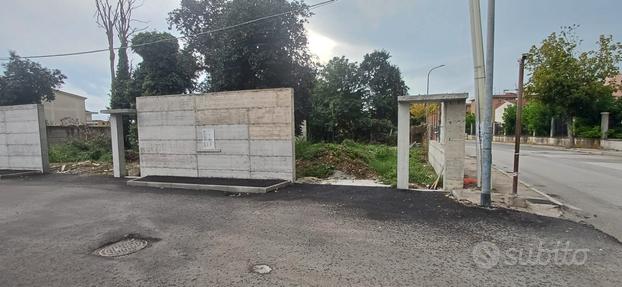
66 110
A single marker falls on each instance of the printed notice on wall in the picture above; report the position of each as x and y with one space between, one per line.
208 141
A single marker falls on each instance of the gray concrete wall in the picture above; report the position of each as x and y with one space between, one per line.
611 144
436 156
578 142
23 140
253 134
60 134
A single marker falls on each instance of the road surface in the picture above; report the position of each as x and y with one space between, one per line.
590 182
310 235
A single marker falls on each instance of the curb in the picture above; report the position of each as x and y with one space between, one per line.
548 197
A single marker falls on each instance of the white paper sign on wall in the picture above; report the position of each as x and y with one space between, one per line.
208 139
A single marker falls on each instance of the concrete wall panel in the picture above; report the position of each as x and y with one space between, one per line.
168 147
276 115
244 123
147 171
165 103
225 132
222 117
167 118
184 161
271 147
223 162
23 139
166 132
271 163
271 132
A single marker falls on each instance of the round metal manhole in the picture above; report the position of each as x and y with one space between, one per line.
123 247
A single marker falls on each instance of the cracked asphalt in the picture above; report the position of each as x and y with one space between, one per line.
310 235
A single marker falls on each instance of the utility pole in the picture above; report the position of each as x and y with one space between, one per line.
487 109
518 127
480 83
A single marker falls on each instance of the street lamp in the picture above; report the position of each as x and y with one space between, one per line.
427 90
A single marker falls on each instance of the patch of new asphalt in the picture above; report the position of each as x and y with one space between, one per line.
310 235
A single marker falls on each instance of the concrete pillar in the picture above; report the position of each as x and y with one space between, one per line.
453 143
118 146
604 124
403 146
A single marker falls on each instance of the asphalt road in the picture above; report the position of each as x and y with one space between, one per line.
311 235
590 182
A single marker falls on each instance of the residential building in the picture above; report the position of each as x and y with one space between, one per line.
616 80
66 109
499 104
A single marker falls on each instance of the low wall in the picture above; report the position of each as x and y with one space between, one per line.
578 142
238 134
60 135
611 144
23 141
436 156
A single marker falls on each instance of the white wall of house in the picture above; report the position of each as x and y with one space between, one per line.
66 109
500 110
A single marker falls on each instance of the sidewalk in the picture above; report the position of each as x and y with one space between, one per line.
527 199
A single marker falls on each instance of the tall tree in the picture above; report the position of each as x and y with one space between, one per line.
385 84
106 16
120 94
337 102
27 82
272 53
165 69
569 83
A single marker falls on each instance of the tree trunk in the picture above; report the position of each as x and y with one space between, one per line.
112 55
570 127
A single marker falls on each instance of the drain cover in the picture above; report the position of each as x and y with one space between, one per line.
123 247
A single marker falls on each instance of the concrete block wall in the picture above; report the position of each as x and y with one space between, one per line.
253 134
23 139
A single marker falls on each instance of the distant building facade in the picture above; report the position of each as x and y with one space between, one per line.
499 104
617 81
66 109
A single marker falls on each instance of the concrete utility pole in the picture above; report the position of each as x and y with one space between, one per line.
487 109
518 127
479 77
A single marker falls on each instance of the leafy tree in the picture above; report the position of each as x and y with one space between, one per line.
265 54
385 84
337 102
27 82
470 123
418 112
537 118
569 83
165 69
509 120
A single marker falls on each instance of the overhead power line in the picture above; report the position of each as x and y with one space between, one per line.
314 6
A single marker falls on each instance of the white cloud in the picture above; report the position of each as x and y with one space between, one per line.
321 46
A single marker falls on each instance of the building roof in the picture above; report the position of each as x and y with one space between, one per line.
69 94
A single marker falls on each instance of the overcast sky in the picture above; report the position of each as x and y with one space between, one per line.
419 34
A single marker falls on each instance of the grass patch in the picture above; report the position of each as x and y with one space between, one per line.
361 160
96 149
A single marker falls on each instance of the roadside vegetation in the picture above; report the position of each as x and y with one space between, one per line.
363 161
76 150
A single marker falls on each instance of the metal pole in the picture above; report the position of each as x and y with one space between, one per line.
425 105
427 89
518 127
487 110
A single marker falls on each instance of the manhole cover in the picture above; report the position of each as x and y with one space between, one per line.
123 247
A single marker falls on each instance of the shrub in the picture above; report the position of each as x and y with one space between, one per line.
96 148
